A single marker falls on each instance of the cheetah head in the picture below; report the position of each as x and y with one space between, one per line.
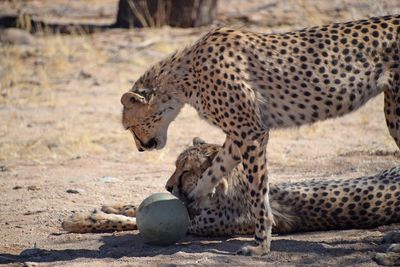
147 114
190 164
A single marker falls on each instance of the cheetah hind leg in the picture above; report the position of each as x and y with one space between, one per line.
98 222
392 106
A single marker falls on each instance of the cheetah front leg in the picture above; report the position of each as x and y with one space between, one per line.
254 160
227 158
253 156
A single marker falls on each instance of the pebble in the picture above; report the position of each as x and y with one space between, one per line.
33 188
109 179
85 75
16 37
72 191
4 168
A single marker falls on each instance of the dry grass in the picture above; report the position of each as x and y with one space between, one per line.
61 94
44 81
31 77
28 74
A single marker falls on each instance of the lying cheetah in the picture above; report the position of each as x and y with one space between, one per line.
247 83
363 202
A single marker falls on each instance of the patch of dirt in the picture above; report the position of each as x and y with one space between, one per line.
63 149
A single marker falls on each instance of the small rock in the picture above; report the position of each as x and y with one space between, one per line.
72 58
16 37
84 75
72 191
108 179
52 145
4 168
17 187
33 212
39 62
33 188
56 234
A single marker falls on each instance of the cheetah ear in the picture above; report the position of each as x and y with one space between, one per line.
198 141
212 154
209 156
151 99
129 99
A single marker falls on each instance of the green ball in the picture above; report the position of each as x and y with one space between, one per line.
162 219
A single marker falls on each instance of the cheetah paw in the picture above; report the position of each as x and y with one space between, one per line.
223 187
201 192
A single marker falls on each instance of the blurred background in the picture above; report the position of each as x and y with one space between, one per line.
64 67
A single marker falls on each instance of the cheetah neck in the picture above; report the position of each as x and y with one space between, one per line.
172 76
175 76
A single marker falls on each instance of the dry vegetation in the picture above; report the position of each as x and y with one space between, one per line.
43 75
46 73
60 129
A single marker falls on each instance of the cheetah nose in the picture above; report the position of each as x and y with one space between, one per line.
169 188
152 143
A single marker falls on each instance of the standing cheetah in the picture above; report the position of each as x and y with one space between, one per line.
311 205
247 83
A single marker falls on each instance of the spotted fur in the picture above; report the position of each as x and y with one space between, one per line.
311 205
247 83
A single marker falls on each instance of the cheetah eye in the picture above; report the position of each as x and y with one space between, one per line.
180 182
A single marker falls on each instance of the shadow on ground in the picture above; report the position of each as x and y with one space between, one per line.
131 245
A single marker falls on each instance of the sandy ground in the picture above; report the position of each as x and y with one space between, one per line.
63 150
